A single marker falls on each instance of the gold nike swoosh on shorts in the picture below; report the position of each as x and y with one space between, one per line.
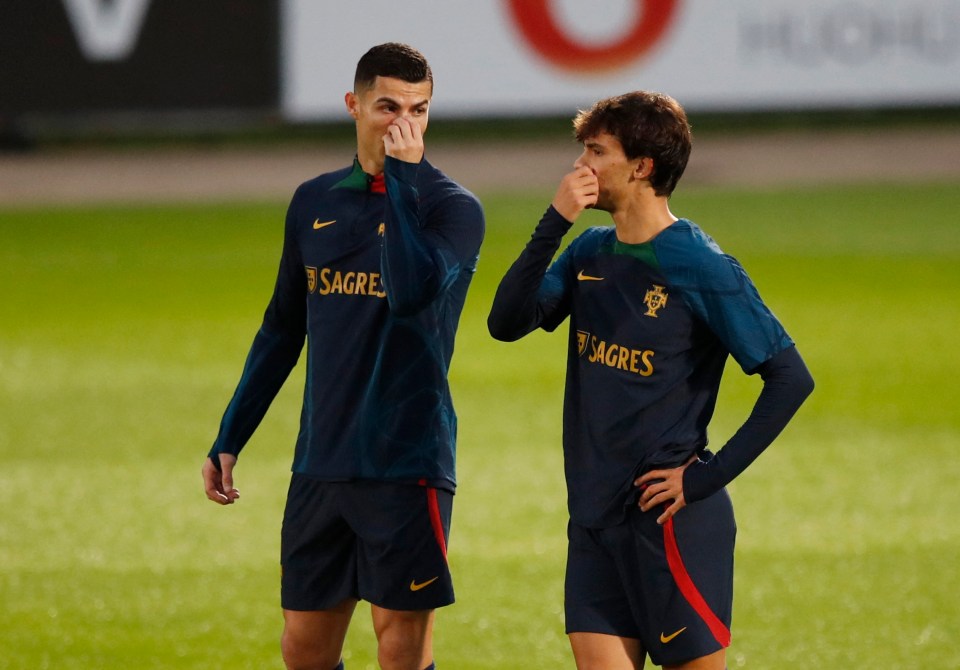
667 638
317 225
583 277
422 585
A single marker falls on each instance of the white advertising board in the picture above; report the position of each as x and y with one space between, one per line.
536 57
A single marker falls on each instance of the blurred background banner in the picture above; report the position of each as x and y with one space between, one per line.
65 57
517 57
294 59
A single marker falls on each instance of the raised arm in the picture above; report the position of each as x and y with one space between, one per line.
530 297
424 249
533 294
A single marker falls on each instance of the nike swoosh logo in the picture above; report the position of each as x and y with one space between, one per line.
317 225
666 638
416 587
583 277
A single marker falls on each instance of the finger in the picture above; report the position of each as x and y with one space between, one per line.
645 478
392 136
215 493
669 512
403 131
413 130
662 519
227 461
226 482
582 181
211 482
403 125
653 497
218 498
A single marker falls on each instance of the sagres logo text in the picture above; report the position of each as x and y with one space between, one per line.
328 281
637 361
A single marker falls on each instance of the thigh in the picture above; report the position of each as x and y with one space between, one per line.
403 530
714 661
315 639
595 651
317 548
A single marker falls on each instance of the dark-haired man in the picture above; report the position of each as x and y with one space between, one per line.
655 309
376 262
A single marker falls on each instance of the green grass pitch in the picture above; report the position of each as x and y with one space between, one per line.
123 331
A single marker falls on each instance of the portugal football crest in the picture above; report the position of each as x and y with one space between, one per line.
655 299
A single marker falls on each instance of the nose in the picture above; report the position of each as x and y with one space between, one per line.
580 162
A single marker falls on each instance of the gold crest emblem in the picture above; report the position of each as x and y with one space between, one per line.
311 279
655 299
582 338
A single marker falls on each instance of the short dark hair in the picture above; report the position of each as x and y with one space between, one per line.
647 124
392 59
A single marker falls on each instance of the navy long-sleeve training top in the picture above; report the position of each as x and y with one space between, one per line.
374 274
651 326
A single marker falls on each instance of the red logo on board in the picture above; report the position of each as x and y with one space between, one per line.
537 23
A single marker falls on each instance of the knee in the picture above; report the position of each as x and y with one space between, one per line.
399 654
398 651
302 654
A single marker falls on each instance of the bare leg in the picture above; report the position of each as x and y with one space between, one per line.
714 661
404 638
595 651
314 640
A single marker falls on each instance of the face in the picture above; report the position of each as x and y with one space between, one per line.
603 155
375 108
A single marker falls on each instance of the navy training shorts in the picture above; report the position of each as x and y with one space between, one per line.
382 542
669 586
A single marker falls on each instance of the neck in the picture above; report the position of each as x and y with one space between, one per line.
642 220
371 162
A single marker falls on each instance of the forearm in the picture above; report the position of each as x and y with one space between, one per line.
272 356
409 272
424 252
517 307
786 384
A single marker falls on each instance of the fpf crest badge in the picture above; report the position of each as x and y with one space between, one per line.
582 338
655 300
311 279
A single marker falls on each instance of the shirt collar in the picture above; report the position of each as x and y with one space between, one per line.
358 180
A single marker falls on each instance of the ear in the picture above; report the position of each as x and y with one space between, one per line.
351 101
644 168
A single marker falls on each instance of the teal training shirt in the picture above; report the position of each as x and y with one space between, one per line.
651 327
375 279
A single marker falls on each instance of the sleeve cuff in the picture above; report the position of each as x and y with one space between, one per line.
401 170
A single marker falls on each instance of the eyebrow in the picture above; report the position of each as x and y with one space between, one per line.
388 99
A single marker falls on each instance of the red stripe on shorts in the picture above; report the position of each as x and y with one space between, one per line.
433 506
689 589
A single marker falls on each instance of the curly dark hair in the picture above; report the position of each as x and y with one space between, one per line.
647 124
392 59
